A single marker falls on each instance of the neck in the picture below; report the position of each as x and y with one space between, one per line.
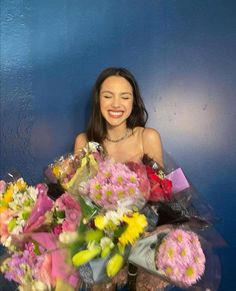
116 134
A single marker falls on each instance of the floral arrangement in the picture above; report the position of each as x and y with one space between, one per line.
108 236
113 183
180 257
98 222
73 171
30 223
161 186
17 203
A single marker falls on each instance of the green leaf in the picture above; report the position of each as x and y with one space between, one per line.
25 215
36 248
118 232
3 203
60 214
11 224
27 202
87 207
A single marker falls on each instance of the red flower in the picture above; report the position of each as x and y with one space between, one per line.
161 188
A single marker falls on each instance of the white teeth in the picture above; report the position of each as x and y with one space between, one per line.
115 113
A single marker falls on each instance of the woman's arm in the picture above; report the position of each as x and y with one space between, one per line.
80 142
152 145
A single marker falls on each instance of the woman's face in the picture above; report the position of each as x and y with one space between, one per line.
116 100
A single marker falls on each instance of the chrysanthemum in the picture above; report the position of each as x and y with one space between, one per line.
114 181
136 226
21 185
181 257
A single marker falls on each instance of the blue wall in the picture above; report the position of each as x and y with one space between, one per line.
183 55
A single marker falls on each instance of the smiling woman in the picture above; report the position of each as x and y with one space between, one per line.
118 123
118 119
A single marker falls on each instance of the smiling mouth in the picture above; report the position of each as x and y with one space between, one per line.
115 114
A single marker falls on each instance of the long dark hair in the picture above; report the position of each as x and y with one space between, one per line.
97 130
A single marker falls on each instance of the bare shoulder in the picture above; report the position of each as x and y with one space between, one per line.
151 135
80 142
152 145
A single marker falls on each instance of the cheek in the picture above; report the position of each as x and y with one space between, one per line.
103 106
131 106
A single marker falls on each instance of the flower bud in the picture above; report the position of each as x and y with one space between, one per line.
85 256
114 265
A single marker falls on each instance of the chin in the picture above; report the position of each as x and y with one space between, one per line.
115 123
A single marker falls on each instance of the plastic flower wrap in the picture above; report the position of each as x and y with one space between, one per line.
116 183
73 171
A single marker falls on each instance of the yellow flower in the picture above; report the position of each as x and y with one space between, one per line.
114 265
8 194
2 208
136 225
21 184
100 222
56 171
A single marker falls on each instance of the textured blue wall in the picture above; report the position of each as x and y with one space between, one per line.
183 55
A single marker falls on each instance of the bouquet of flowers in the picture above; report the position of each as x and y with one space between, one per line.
22 209
29 229
173 253
105 242
71 172
103 215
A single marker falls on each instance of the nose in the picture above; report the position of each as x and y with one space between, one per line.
115 101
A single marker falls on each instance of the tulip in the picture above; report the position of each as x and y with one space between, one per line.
114 265
105 251
85 256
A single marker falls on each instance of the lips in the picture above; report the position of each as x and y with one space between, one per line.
115 114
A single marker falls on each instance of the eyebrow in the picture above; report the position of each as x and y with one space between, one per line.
123 93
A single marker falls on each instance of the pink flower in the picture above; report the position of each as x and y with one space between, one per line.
72 212
72 220
45 271
3 186
66 201
5 217
57 229
181 257
42 205
113 182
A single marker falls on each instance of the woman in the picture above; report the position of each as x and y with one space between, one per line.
118 119
118 123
